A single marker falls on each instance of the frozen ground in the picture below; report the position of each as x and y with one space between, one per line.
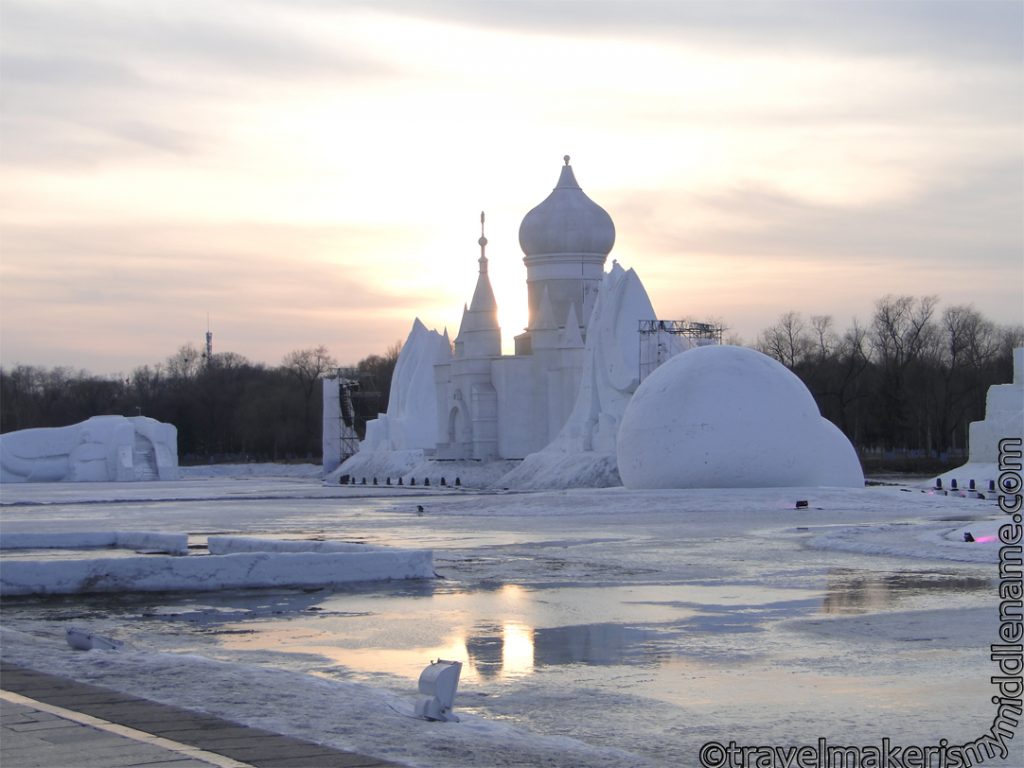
604 627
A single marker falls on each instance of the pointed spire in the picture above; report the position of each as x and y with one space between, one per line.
483 246
545 314
571 337
567 179
483 296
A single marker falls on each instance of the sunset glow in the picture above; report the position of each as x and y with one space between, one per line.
313 173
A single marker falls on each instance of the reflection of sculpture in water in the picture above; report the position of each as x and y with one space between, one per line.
513 649
861 592
103 448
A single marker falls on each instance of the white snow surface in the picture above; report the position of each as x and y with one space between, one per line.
730 417
597 626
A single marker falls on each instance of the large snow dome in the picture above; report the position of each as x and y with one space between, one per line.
730 417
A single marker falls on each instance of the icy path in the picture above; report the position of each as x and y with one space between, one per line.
597 627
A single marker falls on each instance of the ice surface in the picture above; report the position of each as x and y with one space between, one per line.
730 417
103 448
597 627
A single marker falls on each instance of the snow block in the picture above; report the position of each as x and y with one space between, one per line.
170 543
213 572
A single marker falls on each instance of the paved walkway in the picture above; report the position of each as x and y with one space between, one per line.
48 721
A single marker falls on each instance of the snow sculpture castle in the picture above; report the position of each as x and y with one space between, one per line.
566 240
558 401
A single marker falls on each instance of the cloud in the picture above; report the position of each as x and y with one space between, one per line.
82 85
944 29
975 217
68 290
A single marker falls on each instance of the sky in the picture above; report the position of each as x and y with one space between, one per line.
306 172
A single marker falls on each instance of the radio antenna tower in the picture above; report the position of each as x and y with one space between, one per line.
209 341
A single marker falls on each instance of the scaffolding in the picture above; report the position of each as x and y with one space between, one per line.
340 440
658 340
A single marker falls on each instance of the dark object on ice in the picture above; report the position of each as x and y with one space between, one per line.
458 482
419 509
968 537
389 481
426 481
375 481
400 481
412 481
364 481
343 480
970 485
801 504
952 484
991 486
442 481
938 483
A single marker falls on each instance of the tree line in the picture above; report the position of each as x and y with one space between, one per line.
225 407
906 383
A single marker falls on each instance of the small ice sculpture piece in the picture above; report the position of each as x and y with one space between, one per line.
437 686
83 640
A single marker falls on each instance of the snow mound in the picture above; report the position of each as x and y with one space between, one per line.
730 417
550 469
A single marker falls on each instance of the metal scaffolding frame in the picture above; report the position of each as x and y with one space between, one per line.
653 349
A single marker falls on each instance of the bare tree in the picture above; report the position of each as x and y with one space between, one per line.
787 341
825 337
308 366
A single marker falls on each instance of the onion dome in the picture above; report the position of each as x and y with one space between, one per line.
567 222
